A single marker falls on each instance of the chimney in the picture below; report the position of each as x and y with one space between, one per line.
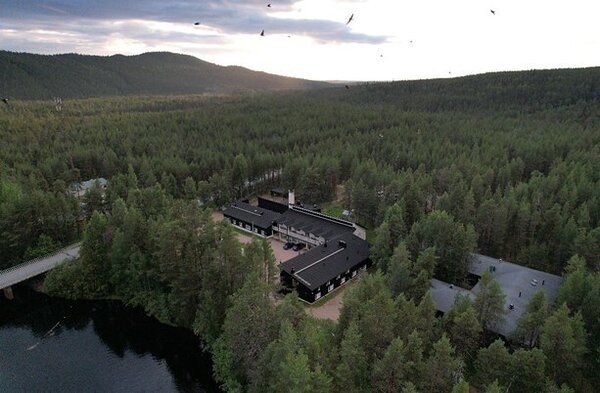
291 199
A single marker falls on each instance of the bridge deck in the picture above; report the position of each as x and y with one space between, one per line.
26 270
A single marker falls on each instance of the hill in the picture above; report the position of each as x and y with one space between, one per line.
527 91
31 76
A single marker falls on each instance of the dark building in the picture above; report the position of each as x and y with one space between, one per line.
300 225
272 205
320 270
279 193
251 218
334 253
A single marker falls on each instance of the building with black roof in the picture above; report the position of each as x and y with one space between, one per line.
251 218
300 225
322 269
336 250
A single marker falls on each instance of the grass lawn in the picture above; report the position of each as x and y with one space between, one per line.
241 232
333 209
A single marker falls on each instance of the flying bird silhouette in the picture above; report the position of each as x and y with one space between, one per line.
269 5
262 33
196 24
347 87
5 100
493 12
350 19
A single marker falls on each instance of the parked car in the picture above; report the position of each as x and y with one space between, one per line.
299 246
288 245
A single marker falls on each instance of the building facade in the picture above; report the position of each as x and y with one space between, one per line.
251 218
322 269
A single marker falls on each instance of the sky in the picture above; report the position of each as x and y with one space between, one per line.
386 39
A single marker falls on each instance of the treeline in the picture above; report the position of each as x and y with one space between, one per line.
164 255
31 76
35 221
515 91
389 338
529 183
521 182
169 257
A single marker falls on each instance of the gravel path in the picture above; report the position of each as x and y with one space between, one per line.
331 309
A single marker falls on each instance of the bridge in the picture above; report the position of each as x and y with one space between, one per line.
35 267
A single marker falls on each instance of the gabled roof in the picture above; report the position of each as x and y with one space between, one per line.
257 216
324 263
318 224
512 278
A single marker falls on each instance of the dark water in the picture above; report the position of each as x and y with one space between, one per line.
52 345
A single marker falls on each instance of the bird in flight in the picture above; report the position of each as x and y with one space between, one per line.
5 100
262 33
493 12
269 5
347 87
196 24
350 19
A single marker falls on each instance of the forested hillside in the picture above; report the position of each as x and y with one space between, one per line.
507 165
516 91
29 76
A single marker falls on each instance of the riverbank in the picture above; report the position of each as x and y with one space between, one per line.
56 345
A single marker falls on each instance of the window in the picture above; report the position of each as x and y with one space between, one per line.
343 280
354 273
330 288
317 295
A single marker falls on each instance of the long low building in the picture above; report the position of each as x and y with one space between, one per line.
298 224
518 283
251 218
336 250
322 269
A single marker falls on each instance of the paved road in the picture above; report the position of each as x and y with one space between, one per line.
26 270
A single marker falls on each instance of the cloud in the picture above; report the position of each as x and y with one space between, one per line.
92 18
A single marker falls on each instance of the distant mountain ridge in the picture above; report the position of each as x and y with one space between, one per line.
531 90
32 76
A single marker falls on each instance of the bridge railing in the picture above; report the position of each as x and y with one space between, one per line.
35 260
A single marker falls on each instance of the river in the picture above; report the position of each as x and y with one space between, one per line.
54 345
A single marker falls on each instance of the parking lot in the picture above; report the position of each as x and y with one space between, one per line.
281 255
